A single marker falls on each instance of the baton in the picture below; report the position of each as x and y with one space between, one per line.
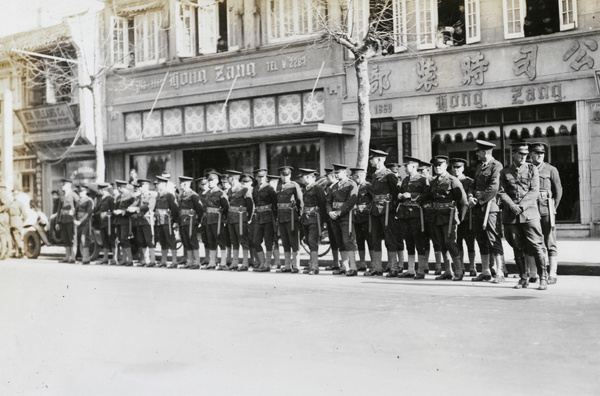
551 211
109 225
241 226
319 224
422 219
470 219
292 213
387 212
190 227
487 214
350 222
219 224
169 222
450 221
369 223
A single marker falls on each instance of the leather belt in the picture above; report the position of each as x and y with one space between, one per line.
362 208
308 210
443 205
264 208
237 209
414 204
162 211
382 198
337 205
212 209
188 212
286 205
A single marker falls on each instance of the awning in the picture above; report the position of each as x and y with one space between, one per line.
258 134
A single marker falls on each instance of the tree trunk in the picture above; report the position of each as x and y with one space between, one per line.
364 112
98 132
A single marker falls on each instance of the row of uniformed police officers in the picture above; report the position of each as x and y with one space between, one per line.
252 213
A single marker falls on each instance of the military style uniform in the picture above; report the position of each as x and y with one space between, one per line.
383 213
16 215
103 217
217 207
313 214
241 208
465 229
166 214
342 201
519 191
143 219
289 204
449 202
486 184
66 215
124 222
265 199
84 231
410 214
362 222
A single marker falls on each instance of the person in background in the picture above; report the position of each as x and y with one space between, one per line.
65 219
465 228
83 222
103 214
312 216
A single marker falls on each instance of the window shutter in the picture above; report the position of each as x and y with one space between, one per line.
472 21
207 27
400 25
185 29
119 49
426 23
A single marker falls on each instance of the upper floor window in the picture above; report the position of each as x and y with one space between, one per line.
290 18
447 23
50 82
387 17
526 18
150 39
185 29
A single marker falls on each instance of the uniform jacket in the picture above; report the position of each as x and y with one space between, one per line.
146 203
15 212
550 187
416 186
364 200
166 201
84 210
103 210
190 201
216 199
67 208
240 198
314 196
519 186
123 201
287 193
384 182
265 195
445 189
344 193
486 185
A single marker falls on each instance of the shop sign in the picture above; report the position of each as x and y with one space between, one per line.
47 118
82 172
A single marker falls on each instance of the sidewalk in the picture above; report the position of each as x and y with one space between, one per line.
576 256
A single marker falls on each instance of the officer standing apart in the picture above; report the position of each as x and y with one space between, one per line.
385 188
340 206
550 195
103 211
313 214
142 213
83 223
166 213
216 209
465 228
265 199
65 217
519 191
482 200
411 218
289 204
449 205
362 217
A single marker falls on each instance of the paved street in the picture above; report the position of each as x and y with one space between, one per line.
97 330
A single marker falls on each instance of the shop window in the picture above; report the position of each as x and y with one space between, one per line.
526 18
150 39
289 18
299 154
149 166
51 82
447 23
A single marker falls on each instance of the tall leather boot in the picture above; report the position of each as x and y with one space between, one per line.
235 259
552 272
375 269
522 268
542 272
229 258
335 253
245 263
531 268
459 267
392 264
499 277
485 274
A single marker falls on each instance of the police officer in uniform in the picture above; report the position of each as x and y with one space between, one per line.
449 205
519 192
385 188
411 217
289 204
217 207
202 187
274 182
241 208
550 195
362 217
482 200
328 183
313 214
82 223
65 219
16 215
103 212
465 228
190 211
340 206
123 220
265 199
166 213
